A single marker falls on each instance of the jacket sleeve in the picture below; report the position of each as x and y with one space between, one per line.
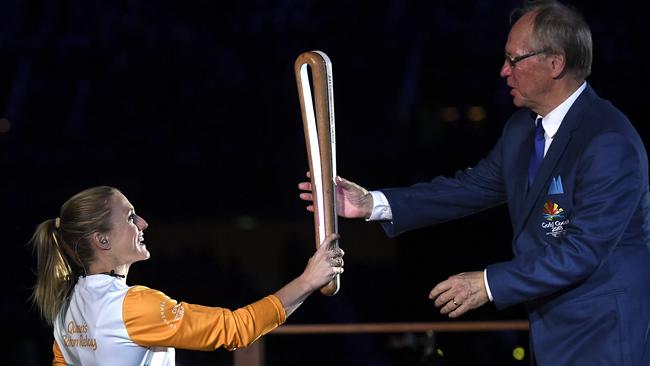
153 319
446 198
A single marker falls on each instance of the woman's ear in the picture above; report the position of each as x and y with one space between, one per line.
101 241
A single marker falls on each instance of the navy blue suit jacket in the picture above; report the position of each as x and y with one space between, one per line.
581 232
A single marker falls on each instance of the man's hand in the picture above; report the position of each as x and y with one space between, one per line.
460 293
352 200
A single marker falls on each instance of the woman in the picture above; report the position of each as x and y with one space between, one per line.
83 260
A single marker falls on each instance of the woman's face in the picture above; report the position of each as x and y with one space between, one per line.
126 236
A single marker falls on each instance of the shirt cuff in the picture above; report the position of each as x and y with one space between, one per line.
487 286
380 209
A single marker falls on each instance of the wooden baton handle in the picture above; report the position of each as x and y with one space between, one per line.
321 145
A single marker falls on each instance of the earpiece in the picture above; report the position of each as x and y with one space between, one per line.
103 242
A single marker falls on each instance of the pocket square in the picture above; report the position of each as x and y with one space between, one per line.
556 186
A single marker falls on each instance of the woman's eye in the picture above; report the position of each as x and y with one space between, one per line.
132 217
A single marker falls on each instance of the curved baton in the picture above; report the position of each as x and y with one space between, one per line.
321 145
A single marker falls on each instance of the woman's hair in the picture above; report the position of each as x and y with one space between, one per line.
560 29
63 247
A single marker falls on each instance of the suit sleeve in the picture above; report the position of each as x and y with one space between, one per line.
608 189
153 319
445 198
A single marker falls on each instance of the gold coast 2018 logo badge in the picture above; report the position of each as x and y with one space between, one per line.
554 220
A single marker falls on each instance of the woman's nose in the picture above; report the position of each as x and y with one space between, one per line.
142 223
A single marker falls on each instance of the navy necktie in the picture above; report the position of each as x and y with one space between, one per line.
537 154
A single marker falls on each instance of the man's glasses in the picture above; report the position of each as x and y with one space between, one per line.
512 61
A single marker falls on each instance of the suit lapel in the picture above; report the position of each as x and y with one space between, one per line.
561 140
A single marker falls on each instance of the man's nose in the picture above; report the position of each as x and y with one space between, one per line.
506 69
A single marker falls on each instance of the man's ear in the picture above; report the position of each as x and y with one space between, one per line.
558 65
101 241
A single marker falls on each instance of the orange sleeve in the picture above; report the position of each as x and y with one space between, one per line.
58 356
153 319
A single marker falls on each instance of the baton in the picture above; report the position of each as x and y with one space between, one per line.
321 145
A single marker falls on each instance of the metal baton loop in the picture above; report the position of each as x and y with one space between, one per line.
321 145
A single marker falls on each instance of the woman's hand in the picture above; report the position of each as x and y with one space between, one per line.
324 264
321 269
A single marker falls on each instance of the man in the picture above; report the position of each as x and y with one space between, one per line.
574 174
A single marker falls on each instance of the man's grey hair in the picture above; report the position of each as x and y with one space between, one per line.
560 29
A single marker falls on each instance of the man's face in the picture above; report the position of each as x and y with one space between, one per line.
530 78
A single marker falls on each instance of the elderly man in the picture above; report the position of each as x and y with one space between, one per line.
574 173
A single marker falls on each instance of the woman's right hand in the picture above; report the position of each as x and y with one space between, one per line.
324 264
321 269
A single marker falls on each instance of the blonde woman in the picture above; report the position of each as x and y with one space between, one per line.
84 256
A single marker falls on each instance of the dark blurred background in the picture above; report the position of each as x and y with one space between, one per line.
191 109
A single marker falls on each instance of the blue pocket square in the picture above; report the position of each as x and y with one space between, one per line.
556 186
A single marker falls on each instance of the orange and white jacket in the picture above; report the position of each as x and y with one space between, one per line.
110 323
